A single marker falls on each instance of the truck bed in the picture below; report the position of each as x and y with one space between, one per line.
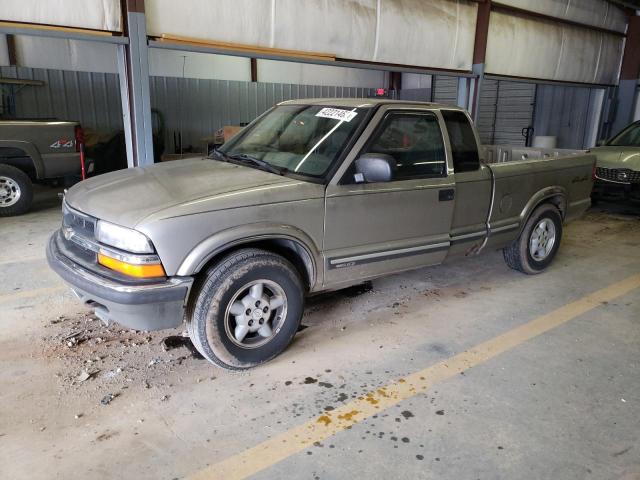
520 175
512 153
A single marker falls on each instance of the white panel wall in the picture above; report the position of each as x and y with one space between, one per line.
76 55
239 21
599 13
435 33
95 14
306 74
415 80
60 54
172 63
346 29
531 48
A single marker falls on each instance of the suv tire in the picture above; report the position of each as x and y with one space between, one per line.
246 309
16 191
535 248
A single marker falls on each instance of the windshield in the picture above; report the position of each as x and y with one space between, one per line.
302 139
629 137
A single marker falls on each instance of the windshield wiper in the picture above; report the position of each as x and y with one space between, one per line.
244 158
214 152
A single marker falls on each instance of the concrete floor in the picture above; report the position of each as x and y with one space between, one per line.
563 405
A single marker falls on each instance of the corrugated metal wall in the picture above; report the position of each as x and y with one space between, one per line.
199 107
487 104
505 109
564 112
91 98
445 89
415 94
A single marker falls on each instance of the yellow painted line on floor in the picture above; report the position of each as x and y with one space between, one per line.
282 446
10 297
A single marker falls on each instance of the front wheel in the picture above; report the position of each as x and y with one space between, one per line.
538 243
246 309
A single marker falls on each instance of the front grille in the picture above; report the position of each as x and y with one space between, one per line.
78 235
81 224
621 175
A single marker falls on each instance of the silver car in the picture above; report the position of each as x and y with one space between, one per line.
618 164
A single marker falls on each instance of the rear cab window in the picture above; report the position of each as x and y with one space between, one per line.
464 148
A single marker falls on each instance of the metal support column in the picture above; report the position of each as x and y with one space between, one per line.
479 55
133 69
627 91
462 97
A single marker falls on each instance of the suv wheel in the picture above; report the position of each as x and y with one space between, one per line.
538 243
16 191
246 309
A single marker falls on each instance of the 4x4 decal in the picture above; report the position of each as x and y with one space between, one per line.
62 143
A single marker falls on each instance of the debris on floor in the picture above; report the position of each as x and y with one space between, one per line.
99 358
106 400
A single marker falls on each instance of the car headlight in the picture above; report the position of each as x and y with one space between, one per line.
122 238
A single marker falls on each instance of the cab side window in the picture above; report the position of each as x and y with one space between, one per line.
464 148
415 142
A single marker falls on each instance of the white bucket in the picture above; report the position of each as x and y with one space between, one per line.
545 141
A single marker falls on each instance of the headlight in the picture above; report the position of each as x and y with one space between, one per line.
122 238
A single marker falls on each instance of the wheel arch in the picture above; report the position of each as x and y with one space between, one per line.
29 150
554 195
292 247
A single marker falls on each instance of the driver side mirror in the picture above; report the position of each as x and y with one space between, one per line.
601 143
374 167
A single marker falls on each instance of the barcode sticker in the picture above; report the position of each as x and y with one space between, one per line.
337 114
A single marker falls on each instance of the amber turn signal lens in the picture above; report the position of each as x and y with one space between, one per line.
140 271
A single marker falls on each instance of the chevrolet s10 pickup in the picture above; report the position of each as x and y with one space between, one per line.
314 195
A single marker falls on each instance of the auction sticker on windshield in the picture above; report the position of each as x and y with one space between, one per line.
337 114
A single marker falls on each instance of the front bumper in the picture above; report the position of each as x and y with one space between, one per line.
152 306
606 188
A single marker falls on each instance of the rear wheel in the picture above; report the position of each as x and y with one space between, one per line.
246 309
16 191
535 248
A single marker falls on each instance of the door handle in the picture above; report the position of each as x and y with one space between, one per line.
446 195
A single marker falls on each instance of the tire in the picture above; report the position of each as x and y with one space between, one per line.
16 191
217 319
519 254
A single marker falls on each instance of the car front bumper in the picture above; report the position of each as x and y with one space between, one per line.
142 307
603 187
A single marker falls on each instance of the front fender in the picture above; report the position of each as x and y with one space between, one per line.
198 257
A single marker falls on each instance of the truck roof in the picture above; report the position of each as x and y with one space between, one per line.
24 121
363 102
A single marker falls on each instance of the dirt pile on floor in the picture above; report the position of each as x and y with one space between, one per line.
112 359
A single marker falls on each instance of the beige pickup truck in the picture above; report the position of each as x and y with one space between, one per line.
314 195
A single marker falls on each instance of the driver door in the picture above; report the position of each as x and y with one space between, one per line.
373 229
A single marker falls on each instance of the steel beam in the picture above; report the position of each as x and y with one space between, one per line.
479 55
66 34
627 91
133 68
338 62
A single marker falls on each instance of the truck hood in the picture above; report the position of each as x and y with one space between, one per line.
182 187
617 157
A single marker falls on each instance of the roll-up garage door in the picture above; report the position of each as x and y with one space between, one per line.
445 89
505 110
